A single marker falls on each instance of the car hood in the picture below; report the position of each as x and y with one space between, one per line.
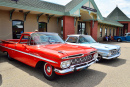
102 46
69 49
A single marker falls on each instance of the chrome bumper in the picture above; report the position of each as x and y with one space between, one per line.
74 68
112 57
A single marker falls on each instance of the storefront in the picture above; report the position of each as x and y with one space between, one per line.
77 17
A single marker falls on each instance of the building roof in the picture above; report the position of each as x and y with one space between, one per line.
38 4
70 8
42 6
110 22
72 4
118 15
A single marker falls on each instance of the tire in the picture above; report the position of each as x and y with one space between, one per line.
118 40
99 59
48 72
9 58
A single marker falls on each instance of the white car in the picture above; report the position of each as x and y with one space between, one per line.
105 51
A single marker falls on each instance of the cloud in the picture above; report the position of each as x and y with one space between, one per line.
107 6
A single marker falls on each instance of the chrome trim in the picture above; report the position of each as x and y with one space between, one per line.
81 59
111 57
114 51
31 55
72 68
73 56
77 55
93 52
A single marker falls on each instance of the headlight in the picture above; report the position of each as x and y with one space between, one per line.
95 55
109 54
65 64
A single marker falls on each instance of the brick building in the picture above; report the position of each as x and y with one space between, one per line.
78 16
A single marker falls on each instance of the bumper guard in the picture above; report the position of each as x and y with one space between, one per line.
74 68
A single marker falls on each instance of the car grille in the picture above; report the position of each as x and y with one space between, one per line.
81 60
73 56
114 52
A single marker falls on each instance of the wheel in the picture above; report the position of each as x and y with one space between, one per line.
99 59
119 40
9 58
48 72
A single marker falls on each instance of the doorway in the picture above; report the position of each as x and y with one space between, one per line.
81 28
17 28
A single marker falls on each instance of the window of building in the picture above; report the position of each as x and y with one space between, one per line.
105 32
42 27
62 28
17 28
121 33
81 28
100 32
110 32
113 32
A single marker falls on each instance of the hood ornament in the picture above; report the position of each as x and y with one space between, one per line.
61 52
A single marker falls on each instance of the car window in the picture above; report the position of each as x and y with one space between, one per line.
25 39
82 40
45 38
72 39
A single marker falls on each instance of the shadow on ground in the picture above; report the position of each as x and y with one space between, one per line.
84 78
3 57
0 79
113 62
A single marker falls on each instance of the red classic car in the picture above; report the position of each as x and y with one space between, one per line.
48 51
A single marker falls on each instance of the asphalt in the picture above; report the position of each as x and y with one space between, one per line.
108 73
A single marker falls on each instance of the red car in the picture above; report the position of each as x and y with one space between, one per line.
48 51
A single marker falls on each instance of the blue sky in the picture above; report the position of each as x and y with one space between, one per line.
105 6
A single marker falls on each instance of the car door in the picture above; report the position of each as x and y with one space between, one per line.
128 37
22 49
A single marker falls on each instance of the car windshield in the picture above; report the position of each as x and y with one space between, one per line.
45 38
86 39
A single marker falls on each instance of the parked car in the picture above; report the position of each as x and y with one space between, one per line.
126 37
105 51
48 50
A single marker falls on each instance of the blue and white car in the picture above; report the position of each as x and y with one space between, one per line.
105 51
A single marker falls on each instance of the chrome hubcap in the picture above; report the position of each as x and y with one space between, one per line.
48 69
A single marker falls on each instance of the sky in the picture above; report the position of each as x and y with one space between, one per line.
105 6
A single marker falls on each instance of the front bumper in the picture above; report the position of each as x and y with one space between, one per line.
112 57
75 67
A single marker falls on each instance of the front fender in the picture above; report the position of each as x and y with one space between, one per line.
103 52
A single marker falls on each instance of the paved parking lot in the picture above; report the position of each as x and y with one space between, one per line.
108 73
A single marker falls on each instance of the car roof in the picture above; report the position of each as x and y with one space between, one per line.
39 32
77 35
